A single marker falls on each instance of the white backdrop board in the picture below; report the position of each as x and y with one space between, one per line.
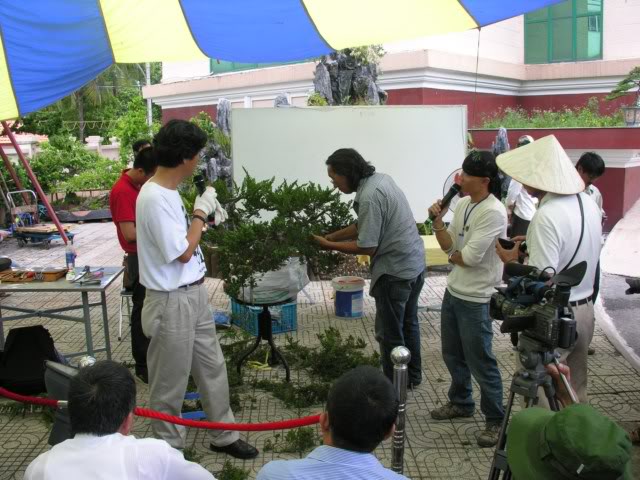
419 146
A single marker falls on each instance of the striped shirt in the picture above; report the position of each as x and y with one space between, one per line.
329 463
385 221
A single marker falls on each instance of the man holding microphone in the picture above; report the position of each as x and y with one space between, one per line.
176 314
478 221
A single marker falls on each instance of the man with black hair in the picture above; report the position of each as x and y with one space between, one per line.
122 202
590 167
101 402
386 231
176 315
361 412
478 221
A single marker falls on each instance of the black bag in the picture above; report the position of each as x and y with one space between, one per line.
5 263
22 364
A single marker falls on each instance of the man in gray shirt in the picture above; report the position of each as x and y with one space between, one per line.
386 231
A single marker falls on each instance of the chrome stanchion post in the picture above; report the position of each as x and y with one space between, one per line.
400 356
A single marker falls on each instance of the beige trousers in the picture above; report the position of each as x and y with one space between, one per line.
183 340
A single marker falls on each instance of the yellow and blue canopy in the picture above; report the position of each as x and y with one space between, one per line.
50 48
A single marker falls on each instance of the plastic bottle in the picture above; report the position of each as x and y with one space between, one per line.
70 260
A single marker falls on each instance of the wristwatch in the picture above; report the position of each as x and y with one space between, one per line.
451 255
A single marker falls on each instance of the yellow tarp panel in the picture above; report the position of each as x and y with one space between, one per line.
8 106
149 30
386 20
434 255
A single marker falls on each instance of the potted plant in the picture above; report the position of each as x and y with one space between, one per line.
631 81
269 224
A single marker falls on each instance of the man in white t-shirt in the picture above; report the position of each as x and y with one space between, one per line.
101 402
565 231
478 221
176 315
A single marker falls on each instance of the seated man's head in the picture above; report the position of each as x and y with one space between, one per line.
361 410
178 144
347 168
576 442
542 167
140 145
101 399
590 166
144 166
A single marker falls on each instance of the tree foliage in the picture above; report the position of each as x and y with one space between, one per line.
631 81
131 125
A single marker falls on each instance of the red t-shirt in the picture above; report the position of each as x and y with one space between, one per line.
122 202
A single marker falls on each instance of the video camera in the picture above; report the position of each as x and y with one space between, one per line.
537 304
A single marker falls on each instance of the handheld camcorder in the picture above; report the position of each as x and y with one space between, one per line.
537 304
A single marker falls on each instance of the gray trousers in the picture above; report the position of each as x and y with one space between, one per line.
183 340
576 358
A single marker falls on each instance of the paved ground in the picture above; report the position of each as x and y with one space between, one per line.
435 450
618 312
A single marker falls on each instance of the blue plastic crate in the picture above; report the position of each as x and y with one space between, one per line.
284 318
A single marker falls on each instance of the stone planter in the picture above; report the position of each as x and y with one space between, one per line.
631 116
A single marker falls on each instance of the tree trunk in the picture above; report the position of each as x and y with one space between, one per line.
80 108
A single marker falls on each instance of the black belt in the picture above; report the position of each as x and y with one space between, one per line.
584 301
197 282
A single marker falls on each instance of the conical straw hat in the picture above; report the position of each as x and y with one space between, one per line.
542 164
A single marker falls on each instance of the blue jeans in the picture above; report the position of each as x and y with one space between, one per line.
466 347
397 321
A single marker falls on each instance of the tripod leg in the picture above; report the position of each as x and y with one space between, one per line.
499 463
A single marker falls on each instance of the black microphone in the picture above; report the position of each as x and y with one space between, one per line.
453 191
201 186
199 182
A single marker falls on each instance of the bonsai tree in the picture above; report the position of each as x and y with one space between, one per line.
631 81
249 244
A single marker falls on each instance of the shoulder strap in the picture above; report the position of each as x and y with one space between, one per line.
581 233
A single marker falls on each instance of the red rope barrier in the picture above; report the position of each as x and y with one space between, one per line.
147 413
46 402
241 427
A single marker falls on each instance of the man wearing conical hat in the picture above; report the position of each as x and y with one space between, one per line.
565 230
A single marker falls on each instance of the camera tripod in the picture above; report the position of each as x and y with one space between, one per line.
526 382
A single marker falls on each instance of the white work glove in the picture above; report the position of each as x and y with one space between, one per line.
207 202
220 214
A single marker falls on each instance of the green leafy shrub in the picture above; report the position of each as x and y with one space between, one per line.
316 100
587 116
299 440
101 176
64 165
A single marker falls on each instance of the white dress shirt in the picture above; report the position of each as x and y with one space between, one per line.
596 196
114 457
554 233
525 204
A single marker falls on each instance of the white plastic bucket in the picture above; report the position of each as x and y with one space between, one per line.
349 296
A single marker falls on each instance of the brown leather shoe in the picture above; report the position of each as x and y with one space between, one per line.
238 449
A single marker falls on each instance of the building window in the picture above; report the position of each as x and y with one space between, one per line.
566 32
221 66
